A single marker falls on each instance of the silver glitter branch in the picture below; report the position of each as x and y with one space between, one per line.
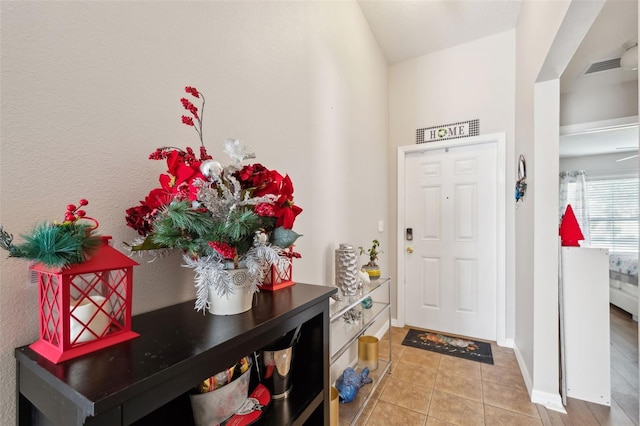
211 275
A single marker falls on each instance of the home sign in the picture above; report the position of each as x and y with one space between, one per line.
461 129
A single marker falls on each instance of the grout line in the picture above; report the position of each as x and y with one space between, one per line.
540 410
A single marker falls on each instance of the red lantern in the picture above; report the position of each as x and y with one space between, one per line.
86 306
275 279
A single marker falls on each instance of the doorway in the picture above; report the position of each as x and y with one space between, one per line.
451 236
606 154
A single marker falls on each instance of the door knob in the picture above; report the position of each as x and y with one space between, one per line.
409 249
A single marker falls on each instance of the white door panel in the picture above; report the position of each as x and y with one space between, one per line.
450 204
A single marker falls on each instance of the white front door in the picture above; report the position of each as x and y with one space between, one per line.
451 208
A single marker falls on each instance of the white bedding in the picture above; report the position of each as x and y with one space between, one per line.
624 263
623 282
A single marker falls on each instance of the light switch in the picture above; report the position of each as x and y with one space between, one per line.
381 226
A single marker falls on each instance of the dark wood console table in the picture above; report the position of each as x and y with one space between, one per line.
149 378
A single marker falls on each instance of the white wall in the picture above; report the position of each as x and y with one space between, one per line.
468 81
546 371
600 164
548 34
601 103
538 23
89 89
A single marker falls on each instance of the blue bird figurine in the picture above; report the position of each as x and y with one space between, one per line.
350 382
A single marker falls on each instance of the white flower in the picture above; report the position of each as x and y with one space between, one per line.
238 151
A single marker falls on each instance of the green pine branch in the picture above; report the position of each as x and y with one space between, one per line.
6 242
240 225
183 228
53 245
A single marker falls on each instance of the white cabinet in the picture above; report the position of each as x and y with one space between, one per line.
585 273
344 334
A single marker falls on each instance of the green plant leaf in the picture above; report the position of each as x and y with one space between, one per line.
284 237
147 244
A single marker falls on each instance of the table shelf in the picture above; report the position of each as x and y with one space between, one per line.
135 381
349 413
344 336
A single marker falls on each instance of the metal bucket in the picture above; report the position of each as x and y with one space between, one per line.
217 406
277 364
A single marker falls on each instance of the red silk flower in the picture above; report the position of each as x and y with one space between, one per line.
179 173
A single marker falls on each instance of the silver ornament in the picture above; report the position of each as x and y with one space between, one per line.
210 168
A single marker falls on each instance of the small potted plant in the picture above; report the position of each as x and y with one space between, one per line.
372 267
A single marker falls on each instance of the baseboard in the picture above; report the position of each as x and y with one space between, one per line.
506 343
523 369
552 401
382 330
396 323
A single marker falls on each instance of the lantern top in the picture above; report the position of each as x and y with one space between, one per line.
104 258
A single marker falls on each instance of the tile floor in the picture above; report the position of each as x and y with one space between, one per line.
426 388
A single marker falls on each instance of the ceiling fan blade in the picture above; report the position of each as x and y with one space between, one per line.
627 158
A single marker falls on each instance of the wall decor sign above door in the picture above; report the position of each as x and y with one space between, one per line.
461 129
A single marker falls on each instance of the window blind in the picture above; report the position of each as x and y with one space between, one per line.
613 213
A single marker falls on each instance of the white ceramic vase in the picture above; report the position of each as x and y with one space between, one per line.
233 303
346 269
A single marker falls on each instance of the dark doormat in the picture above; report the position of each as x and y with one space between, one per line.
449 345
